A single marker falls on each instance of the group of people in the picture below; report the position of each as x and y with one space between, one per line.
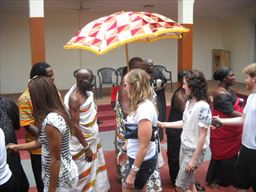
138 85
63 136
231 131
194 123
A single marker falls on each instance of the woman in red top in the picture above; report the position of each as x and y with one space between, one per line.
225 142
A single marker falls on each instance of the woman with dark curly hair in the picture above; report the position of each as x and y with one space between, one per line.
195 122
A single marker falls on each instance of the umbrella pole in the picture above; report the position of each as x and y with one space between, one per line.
127 55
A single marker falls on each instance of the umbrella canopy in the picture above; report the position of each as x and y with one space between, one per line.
109 32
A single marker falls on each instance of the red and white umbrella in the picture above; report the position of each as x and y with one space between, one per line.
109 32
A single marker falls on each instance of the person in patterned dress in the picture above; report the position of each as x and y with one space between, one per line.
59 171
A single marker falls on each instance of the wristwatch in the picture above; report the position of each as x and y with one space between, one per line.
135 169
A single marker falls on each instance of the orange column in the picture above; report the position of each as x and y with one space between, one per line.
37 39
37 35
185 49
185 45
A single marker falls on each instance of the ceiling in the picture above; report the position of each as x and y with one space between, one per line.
218 9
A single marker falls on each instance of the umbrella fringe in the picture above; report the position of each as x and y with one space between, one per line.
142 38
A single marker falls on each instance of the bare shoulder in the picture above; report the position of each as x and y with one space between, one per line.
74 100
219 91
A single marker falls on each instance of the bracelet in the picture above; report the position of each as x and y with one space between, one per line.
135 169
87 147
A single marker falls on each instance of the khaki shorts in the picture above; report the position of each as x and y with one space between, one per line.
185 180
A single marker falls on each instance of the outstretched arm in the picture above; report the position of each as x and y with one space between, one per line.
175 124
230 121
25 146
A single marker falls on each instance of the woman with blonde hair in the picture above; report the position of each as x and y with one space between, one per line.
141 130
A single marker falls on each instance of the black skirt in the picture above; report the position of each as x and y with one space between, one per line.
221 172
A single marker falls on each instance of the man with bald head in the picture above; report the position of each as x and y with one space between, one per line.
79 101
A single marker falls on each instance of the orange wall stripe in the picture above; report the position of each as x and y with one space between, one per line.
37 39
185 50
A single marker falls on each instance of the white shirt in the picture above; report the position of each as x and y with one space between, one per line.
195 117
249 128
5 172
145 110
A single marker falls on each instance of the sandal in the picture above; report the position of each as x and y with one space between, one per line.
214 186
199 188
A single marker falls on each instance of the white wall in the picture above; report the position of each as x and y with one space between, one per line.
207 35
15 61
239 38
